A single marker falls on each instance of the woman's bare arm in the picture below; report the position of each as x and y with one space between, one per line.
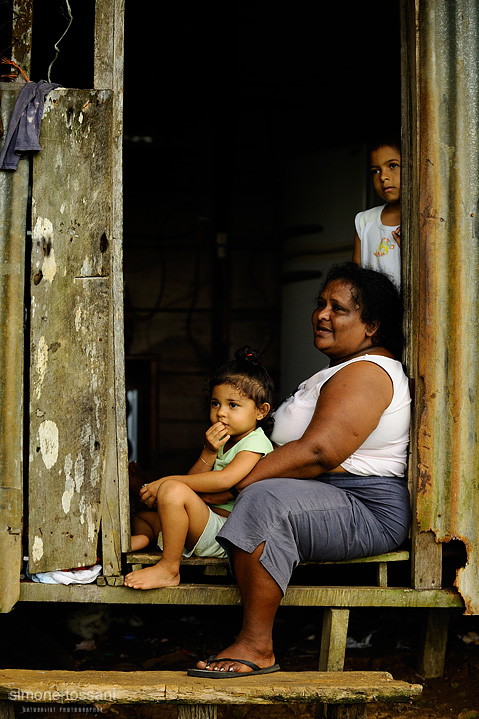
357 250
216 481
348 410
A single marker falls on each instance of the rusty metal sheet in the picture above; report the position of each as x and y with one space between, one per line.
70 393
13 213
448 234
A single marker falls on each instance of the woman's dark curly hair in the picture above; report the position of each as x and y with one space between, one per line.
378 300
246 374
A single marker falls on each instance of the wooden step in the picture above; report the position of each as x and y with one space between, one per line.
105 687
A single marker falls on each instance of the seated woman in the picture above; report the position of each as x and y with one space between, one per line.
334 487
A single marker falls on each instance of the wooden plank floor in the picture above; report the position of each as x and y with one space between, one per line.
199 594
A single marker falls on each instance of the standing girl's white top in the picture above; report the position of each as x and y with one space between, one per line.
379 250
384 452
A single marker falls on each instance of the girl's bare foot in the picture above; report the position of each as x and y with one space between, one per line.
242 650
139 541
152 578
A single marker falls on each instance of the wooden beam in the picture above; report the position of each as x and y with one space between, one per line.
22 36
13 211
201 594
432 650
333 639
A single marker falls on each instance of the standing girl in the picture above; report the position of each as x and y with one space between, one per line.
377 241
241 395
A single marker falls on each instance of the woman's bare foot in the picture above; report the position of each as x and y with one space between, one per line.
152 577
139 541
242 650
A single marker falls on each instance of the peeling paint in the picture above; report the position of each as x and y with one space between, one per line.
49 266
95 470
81 509
78 314
43 232
90 523
79 471
98 405
87 267
37 549
48 432
69 486
41 365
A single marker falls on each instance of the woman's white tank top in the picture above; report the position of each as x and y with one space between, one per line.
384 453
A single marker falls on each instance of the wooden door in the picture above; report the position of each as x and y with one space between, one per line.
71 341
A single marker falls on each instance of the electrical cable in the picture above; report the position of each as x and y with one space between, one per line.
59 41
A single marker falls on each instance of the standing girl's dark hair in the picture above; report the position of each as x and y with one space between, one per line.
246 374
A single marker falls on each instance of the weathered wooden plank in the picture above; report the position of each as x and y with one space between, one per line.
197 711
341 711
108 73
92 687
201 594
333 639
22 36
11 513
70 305
432 650
13 216
426 566
153 557
6 710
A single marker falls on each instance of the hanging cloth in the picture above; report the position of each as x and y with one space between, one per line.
24 129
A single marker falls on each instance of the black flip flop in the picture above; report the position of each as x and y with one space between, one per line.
210 674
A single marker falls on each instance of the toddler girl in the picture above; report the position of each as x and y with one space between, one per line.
240 401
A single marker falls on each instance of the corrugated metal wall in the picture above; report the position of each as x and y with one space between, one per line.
443 227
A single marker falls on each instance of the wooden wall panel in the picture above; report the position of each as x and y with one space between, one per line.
70 325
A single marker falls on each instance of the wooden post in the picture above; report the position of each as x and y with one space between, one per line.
6 710
108 73
197 711
22 36
432 652
333 639
13 213
346 711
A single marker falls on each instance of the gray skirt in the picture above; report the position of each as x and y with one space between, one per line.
330 518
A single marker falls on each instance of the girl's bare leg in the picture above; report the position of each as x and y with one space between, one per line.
261 597
146 527
183 517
